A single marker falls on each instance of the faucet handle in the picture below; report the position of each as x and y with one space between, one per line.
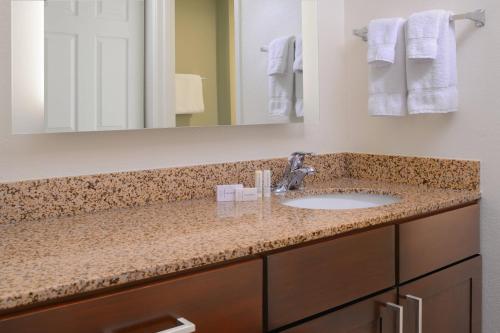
296 160
301 154
298 156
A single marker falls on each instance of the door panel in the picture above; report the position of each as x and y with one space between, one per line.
111 82
112 9
451 300
61 82
105 65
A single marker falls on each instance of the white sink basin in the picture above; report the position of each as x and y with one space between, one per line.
340 201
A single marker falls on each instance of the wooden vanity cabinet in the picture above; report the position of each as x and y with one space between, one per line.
422 275
308 280
450 300
439 285
368 316
436 241
227 299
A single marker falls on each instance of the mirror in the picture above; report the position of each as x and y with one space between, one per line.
101 65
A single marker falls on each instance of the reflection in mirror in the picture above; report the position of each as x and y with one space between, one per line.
98 65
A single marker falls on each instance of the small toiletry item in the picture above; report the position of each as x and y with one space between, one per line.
246 194
259 182
267 183
227 192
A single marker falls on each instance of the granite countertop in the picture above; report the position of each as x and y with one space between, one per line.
57 257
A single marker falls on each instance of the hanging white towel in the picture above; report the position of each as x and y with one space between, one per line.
387 69
280 71
279 55
189 94
432 82
298 65
383 35
298 69
423 33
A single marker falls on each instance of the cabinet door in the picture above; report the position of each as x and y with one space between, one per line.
450 300
226 299
370 316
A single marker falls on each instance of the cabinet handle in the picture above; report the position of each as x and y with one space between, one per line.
185 327
399 309
419 310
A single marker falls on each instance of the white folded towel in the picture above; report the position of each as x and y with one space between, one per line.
299 94
423 33
387 71
189 94
432 83
382 38
280 71
298 69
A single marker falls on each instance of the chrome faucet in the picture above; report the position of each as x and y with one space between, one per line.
294 174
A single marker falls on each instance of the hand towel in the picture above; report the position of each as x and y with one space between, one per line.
387 78
281 76
299 79
279 55
299 94
432 83
423 33
189 94
383 35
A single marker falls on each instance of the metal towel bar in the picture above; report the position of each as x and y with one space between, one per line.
477 16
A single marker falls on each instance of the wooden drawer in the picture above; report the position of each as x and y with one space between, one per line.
308 280
227 299
437 241
366 316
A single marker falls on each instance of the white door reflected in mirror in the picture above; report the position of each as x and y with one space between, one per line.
94 65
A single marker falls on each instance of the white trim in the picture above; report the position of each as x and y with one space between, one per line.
239 77
160 64
311 61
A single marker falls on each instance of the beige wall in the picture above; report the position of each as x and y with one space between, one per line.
472 133
51 155
196 53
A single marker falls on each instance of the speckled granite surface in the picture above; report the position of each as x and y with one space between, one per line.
40 199
52 258
435 172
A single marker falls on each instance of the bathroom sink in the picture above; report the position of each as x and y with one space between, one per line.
339 201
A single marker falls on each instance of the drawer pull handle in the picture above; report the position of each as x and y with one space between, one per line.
399 310
419 310
185 327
